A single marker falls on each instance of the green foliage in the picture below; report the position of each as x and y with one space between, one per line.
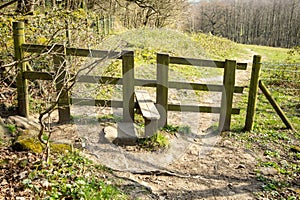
110 118
294 55
158 141
71 176
177 129
11 128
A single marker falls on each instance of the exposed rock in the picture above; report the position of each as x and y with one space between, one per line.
111 133
268 171
28 141
23 122
124 134
227 143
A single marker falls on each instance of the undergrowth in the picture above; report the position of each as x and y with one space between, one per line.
71 176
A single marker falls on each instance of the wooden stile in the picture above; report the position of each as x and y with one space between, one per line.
162 83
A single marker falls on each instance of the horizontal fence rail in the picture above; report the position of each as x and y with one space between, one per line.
203 63
35 48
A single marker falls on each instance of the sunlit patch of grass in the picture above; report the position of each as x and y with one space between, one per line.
271 54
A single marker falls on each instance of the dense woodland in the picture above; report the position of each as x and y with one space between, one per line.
263 22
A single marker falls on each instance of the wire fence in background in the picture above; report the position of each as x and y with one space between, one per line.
283 81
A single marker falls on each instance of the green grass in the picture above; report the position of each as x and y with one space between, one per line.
270 54
159 141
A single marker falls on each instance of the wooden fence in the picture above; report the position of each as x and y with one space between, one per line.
161 83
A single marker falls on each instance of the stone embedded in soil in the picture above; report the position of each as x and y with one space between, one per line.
123 134
227 143
268 171
23 122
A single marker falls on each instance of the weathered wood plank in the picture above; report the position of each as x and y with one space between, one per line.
203 109
31 75
162 72
227 95
94 53
153 83
99 79
149 112
275 105
202 87
203 63
36 48
171 107
128 85
146 105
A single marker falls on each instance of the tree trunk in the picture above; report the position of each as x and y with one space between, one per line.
25 6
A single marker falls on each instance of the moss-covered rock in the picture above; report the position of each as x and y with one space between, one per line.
27 141
60 148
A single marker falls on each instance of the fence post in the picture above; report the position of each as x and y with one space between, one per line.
163 61
128 85
22 85
59 61
227 95
253 90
